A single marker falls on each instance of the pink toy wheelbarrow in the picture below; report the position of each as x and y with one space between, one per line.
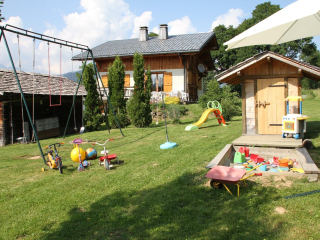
222 175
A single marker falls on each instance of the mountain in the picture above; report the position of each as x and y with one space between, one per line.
4 67
71 75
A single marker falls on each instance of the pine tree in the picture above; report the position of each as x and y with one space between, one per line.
139 106
116 94
92 116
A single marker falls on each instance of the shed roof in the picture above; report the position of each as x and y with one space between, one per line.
185 43
39 84
230 75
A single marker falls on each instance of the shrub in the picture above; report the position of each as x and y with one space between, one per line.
172 100
173 112
310 94
230 102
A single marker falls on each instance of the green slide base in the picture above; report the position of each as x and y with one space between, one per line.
191 127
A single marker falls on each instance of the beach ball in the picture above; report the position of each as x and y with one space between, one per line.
75 154
91 153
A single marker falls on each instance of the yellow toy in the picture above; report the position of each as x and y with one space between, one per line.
75 153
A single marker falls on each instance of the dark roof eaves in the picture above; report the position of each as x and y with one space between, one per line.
144 54
307 67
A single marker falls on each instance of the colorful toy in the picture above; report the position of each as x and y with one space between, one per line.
106 159
222 175
91 154
294 124
239 157
256 158
244 150
54 161
213 106
81 154
75 154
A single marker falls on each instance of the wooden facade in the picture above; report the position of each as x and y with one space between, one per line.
177 62
267 79
11 118
187 63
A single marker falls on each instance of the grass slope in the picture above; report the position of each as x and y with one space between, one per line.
154 194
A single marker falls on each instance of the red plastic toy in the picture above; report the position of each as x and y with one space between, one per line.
245 151
106 159
256 158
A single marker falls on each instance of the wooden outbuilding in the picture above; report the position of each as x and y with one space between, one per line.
49 120
267 79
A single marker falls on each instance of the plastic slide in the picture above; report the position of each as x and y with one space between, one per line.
204 118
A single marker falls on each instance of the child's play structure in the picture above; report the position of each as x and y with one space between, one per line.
213 107
292 123
50 40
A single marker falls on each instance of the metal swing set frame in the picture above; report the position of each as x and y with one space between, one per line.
48 39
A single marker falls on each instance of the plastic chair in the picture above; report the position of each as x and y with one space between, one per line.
174 93
184 97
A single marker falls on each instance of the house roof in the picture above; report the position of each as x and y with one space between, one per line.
309 71
40 82
185 43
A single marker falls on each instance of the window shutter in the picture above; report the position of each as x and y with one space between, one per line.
105 80
127 80
167 81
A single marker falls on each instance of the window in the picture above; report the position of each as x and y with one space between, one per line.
157 82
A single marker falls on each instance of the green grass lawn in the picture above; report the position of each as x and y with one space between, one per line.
154 194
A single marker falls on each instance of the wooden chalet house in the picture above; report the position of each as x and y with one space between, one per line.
177 62
49 121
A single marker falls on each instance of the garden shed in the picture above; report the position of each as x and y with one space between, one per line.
49 120
267 79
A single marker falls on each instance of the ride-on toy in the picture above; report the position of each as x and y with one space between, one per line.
84 163
54 161
106 159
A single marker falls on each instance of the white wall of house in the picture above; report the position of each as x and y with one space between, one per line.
177 77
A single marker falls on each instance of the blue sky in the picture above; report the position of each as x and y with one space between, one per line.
93 22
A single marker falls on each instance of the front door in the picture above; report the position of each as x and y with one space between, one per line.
270 105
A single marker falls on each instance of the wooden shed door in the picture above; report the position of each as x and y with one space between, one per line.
270 105
167 82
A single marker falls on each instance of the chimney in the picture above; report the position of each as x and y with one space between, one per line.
163 33
143 34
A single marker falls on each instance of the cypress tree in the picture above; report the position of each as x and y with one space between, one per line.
92 116
116 94
139 109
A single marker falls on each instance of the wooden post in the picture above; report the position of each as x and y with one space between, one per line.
243 93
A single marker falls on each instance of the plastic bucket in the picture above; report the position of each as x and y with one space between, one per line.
283 162
263 167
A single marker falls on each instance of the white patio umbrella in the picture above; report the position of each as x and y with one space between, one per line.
300 19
